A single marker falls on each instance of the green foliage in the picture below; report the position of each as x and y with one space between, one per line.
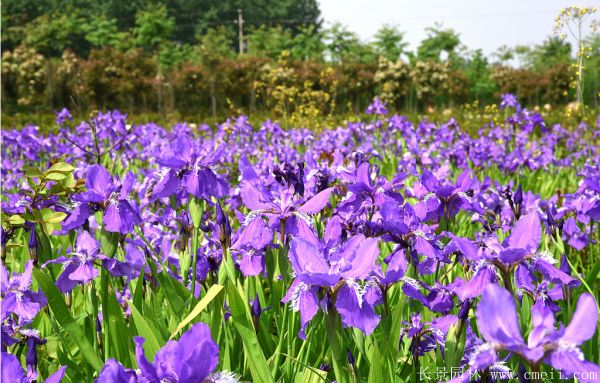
389 42
190 64
152 26
269 41
104 32
50 34
438 41
478 72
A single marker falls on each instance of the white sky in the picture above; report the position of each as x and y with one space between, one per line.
485 24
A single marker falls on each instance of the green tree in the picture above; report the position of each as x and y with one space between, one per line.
438 41
481 84
389 42
269 41
153 26
50 34
343 46
215 47
104 32
308 44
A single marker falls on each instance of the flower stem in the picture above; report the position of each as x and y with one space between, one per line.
338 356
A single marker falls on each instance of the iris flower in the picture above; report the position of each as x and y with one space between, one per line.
342 271
498 322
103 193
14 373
17 297
80 267
186 169
192 358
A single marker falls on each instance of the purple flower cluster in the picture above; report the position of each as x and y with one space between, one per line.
358 211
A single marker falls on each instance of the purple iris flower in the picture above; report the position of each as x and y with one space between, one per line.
342 270
401 224
510 101
498 322
285 214
80 267
103 193
17 297
364 196
192 358
63 116
377 107
13 372
445 199
426 336
186 169
519 248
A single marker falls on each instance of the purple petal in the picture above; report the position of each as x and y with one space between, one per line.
527 233
114 372
197 354
167 185
316 203
307 260
497 318
98 180
583 324
511 255
252 198
146 368
57 376
84 273
354 310
304 299
256 235
12 370
570 362
77 217
362 258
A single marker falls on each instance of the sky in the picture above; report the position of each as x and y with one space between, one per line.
485 24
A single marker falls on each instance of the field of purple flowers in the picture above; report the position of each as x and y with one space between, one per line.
386 250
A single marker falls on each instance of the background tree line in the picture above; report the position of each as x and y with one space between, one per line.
182 56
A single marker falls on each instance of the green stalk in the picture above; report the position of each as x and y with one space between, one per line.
338 357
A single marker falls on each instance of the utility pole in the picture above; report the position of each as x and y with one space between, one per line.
240 23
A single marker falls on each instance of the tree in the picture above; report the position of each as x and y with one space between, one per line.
153 26
481 84
269 41
389 42
213 49
439 41
344 45
308 44
104 32
50 34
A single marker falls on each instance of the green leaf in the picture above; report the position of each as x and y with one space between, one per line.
109 242
152 343
375 371
55 177
241 320
176 293
195 212
56 302
30 171
44 249
200 306
56 217
593 274
455 345
60 167
114 323
16 220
